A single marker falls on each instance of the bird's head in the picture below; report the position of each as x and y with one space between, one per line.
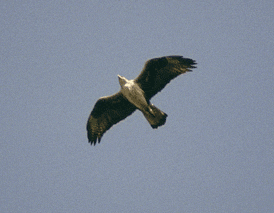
122 80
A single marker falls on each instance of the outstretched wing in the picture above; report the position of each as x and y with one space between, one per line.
107 112
158 72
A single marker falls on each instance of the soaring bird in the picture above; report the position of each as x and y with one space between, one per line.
136 94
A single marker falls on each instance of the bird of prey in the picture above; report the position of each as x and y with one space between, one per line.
136 94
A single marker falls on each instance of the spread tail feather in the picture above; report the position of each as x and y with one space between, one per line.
155 116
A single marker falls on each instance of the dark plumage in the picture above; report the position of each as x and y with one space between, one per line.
136 94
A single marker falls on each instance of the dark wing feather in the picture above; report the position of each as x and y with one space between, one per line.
107 112
158 72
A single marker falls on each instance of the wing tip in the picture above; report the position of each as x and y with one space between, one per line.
190 62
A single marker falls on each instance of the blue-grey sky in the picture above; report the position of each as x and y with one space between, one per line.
214 154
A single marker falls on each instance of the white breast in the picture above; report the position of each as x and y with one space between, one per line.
134 94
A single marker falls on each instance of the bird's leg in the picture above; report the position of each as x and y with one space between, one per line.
150 110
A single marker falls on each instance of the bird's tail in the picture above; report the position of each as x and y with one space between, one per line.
155 116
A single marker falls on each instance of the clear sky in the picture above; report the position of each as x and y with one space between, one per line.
214 154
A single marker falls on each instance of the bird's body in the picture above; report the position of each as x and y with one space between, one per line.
136 94
133 93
